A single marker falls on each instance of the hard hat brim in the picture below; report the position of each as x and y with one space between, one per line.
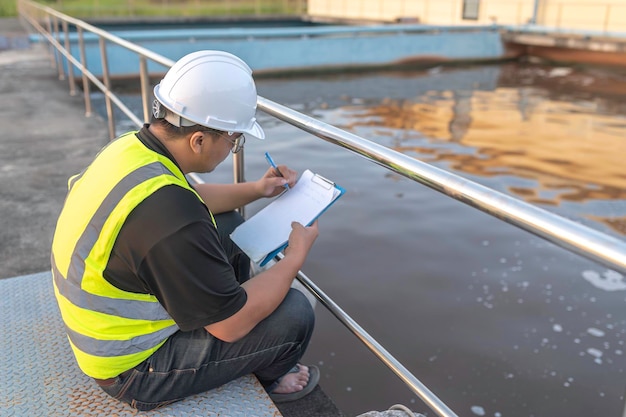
256 131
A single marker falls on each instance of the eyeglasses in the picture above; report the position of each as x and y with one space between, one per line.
237 142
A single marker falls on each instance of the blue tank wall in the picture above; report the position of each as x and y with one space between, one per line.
288 49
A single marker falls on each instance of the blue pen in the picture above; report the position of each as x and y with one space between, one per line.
273 165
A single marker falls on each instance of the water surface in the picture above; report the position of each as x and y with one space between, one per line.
494 320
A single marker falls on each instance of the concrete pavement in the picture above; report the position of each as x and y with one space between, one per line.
45 138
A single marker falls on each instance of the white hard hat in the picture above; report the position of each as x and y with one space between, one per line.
210 88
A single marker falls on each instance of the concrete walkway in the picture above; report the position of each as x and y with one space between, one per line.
45 139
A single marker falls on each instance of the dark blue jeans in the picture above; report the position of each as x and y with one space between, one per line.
193 362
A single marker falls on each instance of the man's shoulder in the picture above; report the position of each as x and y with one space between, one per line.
174 197
167 209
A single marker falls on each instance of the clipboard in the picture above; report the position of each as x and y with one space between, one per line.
266 233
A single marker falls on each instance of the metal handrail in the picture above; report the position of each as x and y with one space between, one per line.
381 353
577 238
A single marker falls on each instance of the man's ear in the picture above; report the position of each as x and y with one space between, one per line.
196 140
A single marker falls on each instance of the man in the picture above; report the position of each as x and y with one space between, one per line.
157 300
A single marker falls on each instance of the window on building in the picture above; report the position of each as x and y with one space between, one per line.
470 9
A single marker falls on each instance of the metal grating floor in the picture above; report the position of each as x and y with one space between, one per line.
39 377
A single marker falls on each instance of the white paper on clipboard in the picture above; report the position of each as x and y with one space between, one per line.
267 232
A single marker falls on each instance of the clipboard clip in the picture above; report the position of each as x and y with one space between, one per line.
326 183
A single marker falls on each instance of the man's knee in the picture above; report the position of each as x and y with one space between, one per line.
297 313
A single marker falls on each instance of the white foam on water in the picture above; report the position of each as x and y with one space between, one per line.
595 332
559 72
594 352
478 410
609 280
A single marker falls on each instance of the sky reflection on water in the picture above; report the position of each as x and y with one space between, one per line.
543 150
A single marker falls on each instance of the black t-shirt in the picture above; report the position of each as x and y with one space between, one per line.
170 248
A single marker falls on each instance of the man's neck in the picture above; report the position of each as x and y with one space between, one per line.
173 145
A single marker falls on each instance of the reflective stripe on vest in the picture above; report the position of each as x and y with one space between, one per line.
110 330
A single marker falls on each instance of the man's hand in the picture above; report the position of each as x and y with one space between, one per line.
301 239
272 184
267 290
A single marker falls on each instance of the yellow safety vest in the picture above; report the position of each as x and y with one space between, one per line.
109 330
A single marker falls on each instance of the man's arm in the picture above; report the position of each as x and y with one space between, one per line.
267 290
221 198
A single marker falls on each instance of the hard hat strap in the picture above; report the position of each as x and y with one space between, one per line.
160 112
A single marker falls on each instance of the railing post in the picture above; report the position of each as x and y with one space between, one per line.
70 67
238 173
145 85
83 61
54 32
53 52
58 55
107 84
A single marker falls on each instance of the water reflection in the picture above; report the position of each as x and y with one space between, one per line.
493 320
552 150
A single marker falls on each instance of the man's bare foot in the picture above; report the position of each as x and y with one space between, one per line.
293 382
296 385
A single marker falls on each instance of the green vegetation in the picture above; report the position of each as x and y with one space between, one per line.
8 8
169 8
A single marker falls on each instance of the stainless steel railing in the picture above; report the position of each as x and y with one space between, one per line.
570 235
575 237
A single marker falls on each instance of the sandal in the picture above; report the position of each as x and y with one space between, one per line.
314 378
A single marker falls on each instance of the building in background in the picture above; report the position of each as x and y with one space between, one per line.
601 15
